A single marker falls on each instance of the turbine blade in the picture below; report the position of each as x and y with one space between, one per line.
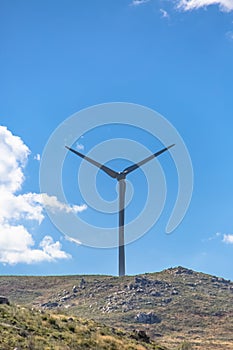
107 170
137 165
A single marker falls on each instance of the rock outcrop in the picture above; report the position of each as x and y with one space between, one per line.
4 300
148 318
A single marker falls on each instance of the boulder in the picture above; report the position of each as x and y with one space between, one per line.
74 289
4 300
166 301
182 271
155 294
50 305
175 292
142 281
148 318
82 283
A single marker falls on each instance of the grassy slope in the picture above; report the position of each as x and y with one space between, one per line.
192 306
22 328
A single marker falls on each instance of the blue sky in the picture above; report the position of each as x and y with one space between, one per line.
59 57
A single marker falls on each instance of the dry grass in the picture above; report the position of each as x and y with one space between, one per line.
198 316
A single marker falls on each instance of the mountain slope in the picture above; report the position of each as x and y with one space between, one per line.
172 306
22 328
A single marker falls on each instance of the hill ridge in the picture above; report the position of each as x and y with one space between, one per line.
174 304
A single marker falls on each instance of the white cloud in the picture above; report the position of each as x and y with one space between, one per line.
73 240
37 157
229 35
30 206
16 246
52 203
225 238
79 146
17 210
164 13
22 207
13 157
188 5
228 239
52 249
139 2
211 238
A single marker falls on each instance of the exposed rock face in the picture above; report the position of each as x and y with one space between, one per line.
215 279
141 298
175 292
74 289
142 292
148 318
62 297
4 300
142 280
82 283
182 271
50 305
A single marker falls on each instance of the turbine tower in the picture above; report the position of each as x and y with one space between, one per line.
120 177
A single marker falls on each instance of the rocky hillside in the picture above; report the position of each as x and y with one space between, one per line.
23 328
173 306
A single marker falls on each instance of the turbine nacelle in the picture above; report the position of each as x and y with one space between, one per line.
121 176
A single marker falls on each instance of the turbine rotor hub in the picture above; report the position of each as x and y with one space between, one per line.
121 176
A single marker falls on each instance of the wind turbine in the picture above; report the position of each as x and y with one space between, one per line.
120 176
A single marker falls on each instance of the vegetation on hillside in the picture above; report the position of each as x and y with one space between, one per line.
22 328
186 306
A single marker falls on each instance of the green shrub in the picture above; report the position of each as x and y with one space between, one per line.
185 346
71 328
52 321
